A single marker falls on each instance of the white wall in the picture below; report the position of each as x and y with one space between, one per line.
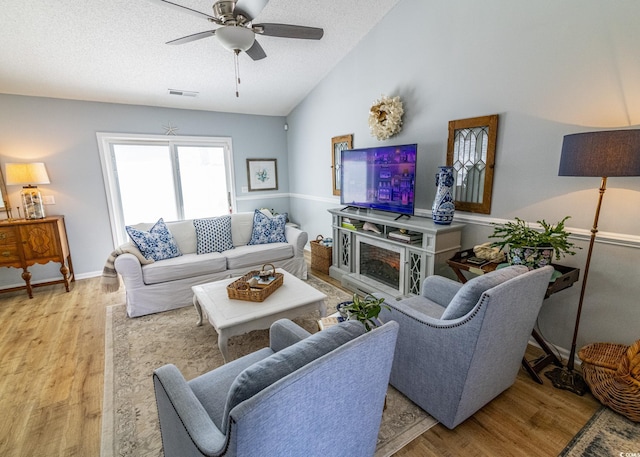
548 68
62 134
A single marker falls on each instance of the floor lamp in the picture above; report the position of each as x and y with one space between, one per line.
604 154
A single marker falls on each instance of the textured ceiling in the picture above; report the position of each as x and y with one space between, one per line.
115 51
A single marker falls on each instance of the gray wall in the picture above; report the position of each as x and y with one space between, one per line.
62 133
548 69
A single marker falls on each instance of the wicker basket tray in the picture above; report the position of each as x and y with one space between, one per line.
241 290
321 256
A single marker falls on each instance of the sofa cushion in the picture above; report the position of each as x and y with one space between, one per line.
157 243
241 228
267 371
213 234
471 291
185 235
185 266
268 229
244 256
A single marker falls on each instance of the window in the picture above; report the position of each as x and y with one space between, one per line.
149 177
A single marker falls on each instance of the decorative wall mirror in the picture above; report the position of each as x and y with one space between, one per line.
338 144
5 206
471 152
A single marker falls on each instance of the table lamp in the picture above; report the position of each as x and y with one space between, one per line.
27 175
604 154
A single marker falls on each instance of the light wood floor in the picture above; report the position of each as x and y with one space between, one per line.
51 386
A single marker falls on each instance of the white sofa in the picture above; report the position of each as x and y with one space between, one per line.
166 284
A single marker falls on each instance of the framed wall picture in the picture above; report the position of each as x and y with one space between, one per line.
338 144
471 151
262 174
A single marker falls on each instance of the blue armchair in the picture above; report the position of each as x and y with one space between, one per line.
459 346
311 395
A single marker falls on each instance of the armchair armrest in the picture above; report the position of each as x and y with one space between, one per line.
179 409
283 333
440 289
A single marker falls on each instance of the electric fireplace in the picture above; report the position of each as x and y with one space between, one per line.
380 263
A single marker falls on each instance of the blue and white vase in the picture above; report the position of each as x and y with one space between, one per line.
443 207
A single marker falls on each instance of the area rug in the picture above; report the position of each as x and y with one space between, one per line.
606 434
135 347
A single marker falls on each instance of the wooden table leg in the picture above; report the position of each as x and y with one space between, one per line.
534 367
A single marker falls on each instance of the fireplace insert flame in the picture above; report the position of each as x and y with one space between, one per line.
380 264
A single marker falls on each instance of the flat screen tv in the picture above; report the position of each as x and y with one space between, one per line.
381 178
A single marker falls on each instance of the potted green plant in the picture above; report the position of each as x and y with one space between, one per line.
365 310
532 247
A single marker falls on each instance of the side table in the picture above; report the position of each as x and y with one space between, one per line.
26 242
459 263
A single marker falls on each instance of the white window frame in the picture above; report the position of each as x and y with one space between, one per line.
107 160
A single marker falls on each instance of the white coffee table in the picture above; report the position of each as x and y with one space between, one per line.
232 317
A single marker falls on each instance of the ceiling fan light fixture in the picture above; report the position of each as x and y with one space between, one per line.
235 37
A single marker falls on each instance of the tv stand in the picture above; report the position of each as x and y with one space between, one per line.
425 251
402 215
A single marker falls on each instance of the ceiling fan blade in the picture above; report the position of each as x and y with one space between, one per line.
256 52
194 37
250 8
184 9
289 31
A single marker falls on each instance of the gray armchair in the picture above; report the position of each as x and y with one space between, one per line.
459 346
311 395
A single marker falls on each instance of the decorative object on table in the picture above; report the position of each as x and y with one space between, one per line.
371 227
532 247
443 207
488 252
338 144
471 152
28 175
267 273
365 310
262 174
321 253
385 117
605 154
612 372
241 288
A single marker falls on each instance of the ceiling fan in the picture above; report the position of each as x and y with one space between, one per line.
237 31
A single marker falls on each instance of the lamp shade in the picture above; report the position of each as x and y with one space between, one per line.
26 174
604 154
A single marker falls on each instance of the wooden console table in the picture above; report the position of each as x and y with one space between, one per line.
25 242
459 263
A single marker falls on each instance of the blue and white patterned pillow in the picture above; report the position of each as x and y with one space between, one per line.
268 229
213 234
157 243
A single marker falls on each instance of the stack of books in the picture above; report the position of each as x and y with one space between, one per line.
406 237
352 224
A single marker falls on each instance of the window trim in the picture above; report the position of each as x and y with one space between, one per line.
112 191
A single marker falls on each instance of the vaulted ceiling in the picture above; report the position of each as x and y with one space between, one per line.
115 51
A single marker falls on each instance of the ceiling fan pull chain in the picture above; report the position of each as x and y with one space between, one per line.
237 65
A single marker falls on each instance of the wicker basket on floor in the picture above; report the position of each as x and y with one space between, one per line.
612 371
321 255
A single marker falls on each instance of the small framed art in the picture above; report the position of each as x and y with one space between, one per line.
262 174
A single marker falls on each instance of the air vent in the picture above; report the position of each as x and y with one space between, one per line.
183 93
